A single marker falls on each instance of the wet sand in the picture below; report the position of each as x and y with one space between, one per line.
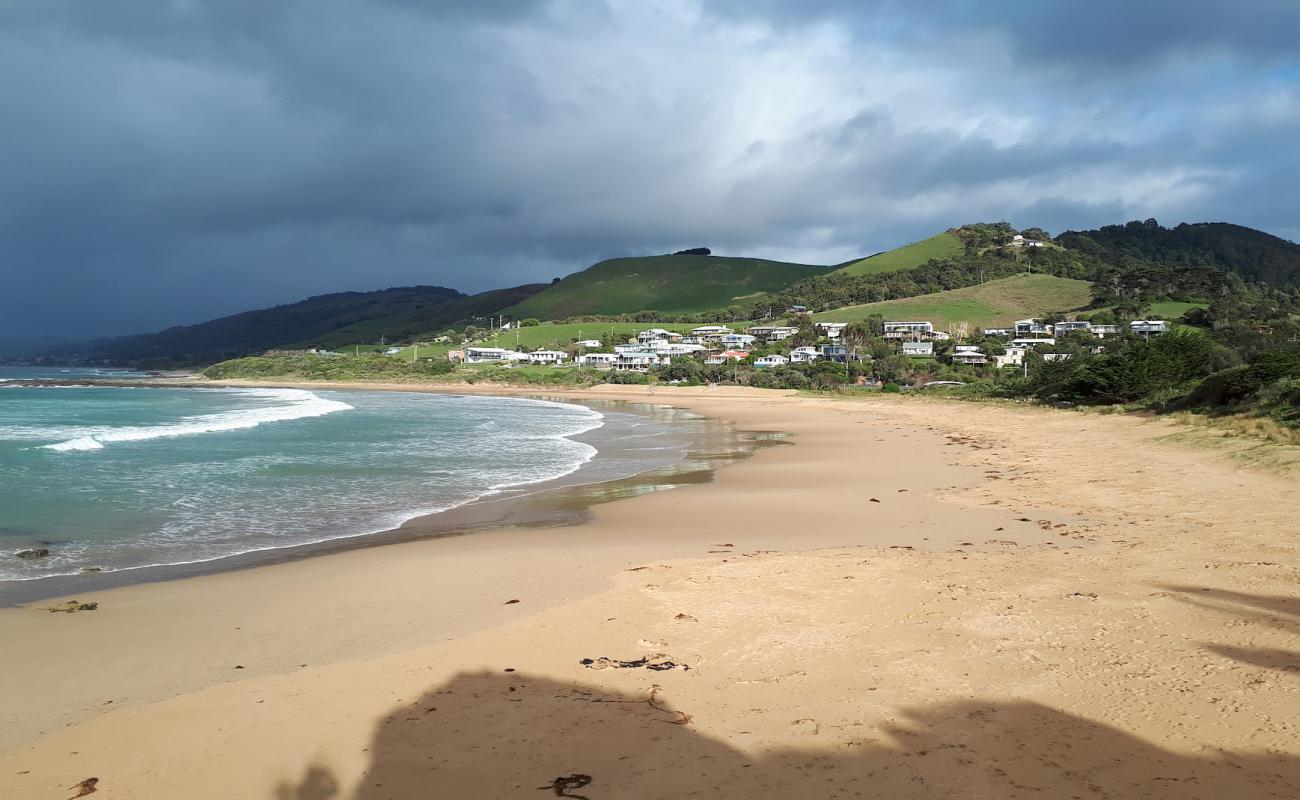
916 599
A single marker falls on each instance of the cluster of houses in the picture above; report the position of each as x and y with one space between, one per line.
1025 334
654 347
719 344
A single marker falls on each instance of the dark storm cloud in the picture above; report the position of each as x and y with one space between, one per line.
165 162
1097 33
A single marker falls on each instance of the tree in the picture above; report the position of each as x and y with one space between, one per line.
892 369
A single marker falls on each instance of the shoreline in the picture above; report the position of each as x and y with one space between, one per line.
700 448
919 599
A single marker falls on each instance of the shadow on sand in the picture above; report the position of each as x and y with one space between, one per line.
509 735
1275 611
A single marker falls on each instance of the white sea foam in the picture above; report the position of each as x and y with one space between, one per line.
290 404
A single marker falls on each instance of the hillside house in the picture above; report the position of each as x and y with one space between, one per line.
680 349
1013 357
969 355
998 332
657 335
1026 328
1021 241
492 355
725 357
915 331
736 341
773 360
918 348
834 352
1056 356
1102 331
713 332
597 360
639 360
804 355
831 330
772 333
1065 326
587 343
549 357
1032 342
1148 326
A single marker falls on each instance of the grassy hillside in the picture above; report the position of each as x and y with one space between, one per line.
1173 309
941 245
676 283
989 304
552 335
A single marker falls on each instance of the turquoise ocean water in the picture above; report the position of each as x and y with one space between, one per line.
113 478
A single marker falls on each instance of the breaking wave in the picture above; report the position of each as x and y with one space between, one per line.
290 404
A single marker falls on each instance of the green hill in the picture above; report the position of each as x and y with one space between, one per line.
991 304
1254 255
674 283
328 321
941 245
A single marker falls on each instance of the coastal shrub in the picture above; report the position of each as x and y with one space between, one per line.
625 377
891 388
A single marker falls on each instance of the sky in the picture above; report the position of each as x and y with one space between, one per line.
169 161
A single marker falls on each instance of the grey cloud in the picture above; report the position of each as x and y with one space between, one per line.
168 162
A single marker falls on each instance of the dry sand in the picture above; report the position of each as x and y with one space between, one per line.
1137 636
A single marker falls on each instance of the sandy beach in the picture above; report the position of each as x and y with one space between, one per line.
914 599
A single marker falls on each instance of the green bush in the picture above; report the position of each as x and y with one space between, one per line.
891 388
626 377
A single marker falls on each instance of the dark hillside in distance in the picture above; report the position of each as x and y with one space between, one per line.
329 320
672 283
1256 256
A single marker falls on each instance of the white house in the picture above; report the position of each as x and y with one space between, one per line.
392 351
1055 356
638 360
773 360
710 331
997 331
598 360
1031 342
909 330
547 357
736 340
1021 241
918 348
492 355
680 349
1013 357
970 355
656 335
585 343
1149 326
804 355
1102 331
831 330
630 347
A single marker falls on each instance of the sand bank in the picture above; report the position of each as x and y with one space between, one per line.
915 600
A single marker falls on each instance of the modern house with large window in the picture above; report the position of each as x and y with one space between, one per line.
916 331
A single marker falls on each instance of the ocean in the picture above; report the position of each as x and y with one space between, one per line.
113 479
